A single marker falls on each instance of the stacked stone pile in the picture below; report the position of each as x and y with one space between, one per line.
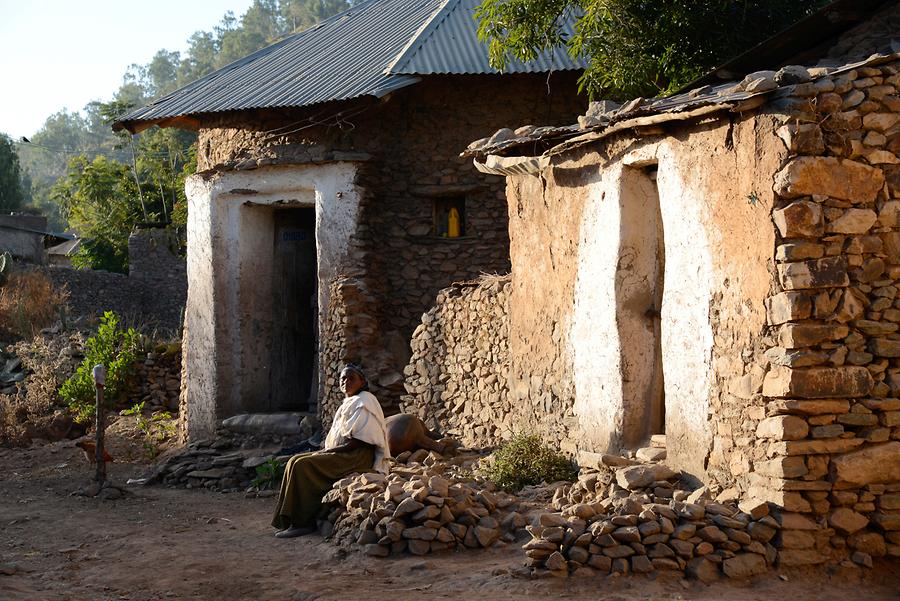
158 380
425 506
829 439
624 517
226 463
456 379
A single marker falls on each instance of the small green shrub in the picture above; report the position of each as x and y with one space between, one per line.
268 475
156 429
112 347
526 460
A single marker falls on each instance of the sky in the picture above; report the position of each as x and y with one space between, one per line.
65 53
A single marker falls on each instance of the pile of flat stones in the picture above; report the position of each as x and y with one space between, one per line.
425 505
226 463
639 518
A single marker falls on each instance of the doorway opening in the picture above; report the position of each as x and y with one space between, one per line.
294 311
640 275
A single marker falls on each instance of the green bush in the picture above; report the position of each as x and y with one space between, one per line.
112 347
526 460
156 429
268 475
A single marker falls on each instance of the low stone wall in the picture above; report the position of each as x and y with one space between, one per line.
153 295
158 374
457 377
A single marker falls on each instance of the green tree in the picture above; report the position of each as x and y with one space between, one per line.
636 47
11 193
99 199
302 14
115 348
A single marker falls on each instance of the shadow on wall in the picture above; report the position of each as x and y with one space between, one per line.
639 285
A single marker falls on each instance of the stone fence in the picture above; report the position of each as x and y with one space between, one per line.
151 296
456 380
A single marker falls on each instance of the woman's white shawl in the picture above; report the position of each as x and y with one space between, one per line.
360 417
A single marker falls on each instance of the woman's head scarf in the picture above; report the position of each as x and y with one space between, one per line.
356 368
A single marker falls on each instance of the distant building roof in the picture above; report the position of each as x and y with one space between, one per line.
370 50
66 249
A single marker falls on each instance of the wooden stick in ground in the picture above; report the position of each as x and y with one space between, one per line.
99 383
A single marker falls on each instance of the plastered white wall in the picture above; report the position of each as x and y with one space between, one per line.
230 229
714 199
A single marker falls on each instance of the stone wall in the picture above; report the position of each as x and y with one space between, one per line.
351 332
829 449
152 296
158 379
456 380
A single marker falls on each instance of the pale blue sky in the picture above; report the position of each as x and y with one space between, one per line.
64 53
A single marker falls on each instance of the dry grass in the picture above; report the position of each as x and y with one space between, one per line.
29 302
35 410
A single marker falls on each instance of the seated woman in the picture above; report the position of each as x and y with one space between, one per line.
357 442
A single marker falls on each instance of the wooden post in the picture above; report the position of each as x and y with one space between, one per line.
99 382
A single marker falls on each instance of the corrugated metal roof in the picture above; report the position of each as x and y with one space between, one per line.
448 44
344 57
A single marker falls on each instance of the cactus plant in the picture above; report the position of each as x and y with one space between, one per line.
6 262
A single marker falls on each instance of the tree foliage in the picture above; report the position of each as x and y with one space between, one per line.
11 193
99 199
636 47
114 347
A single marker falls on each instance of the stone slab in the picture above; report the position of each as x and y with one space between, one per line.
874 464
829 176
817 382
829 272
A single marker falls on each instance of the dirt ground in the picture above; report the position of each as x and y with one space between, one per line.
162 544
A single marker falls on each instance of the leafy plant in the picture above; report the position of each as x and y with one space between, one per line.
526 460
156 429
635 47
268 475
112 347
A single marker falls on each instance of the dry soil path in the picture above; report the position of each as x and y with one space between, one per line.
163 544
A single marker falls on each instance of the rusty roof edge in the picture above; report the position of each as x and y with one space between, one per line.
643 114
649 120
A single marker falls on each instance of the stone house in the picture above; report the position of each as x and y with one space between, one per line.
330 203
23 236
721 267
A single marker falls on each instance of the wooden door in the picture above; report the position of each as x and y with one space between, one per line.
294 296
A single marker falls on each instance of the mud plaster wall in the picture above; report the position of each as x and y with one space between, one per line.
567 246
228 315
407 146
